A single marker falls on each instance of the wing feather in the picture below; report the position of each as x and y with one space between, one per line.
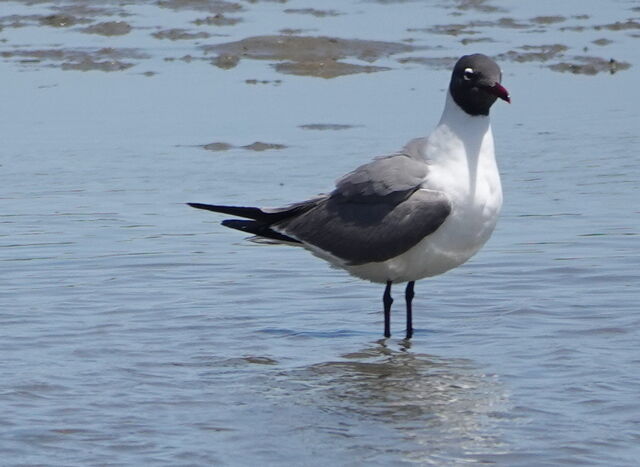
378 211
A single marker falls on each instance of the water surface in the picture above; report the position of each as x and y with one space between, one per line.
138 331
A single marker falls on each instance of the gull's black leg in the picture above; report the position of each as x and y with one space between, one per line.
408 296
387 301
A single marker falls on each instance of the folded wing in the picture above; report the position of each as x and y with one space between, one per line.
376 212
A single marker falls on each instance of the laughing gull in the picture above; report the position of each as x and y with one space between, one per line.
413 214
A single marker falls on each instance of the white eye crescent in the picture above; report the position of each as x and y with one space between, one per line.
468 73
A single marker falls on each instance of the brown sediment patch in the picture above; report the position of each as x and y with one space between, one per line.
218 146
257 146
438 63
504 23
473 40
629 24
472 26
534 53
109 28
61 20
309 55
226 61
548 19
292 31
573 28
106 59
308 48
177 34
586 65
55 20
185 58
325 69
260 360
313 12
89 64
327 126
260 146
212 6
217 20
18 21
602 42
477 5
275 82
448 29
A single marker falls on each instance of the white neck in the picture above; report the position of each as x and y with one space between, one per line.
460 136
471 130
462 145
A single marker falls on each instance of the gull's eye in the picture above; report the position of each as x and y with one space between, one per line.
468 73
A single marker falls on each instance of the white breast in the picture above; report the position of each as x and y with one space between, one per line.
460 153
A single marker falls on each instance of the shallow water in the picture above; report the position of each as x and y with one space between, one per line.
135 330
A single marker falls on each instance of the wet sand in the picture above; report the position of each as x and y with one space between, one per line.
295 52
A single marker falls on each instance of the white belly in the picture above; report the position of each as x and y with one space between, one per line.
473 218
457 240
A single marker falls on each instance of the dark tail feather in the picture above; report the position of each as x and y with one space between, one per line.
250 213
258 228
261 223
258 214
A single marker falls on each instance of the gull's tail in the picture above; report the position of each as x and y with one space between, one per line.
261 221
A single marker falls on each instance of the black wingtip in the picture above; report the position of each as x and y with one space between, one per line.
242 211
237 224
256 214
232 210
259 229
197 205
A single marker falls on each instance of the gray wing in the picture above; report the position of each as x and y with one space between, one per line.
383 176
376 212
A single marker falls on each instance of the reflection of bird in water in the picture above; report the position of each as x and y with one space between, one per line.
422 406
417 213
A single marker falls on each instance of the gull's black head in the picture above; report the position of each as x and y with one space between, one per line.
475 84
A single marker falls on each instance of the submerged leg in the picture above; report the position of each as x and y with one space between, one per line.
387 301
408 296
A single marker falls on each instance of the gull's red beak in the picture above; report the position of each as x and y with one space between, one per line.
499 91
